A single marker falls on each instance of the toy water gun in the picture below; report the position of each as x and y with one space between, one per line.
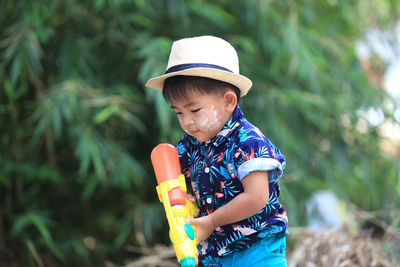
171 191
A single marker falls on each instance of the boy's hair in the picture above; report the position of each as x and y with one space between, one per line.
176 87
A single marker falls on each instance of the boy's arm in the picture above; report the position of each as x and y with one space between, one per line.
244 205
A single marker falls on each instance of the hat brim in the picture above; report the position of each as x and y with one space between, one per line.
243 83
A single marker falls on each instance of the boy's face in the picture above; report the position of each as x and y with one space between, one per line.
201 115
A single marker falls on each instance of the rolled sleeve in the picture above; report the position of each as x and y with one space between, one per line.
273 166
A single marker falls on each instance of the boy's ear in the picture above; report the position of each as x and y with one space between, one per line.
230 101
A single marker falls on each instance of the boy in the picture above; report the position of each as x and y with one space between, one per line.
230 167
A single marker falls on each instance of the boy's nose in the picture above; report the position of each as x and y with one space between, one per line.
187 121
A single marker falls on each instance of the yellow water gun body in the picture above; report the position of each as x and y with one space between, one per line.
171 191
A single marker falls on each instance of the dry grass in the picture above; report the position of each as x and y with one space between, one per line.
159 256
338 248
346 246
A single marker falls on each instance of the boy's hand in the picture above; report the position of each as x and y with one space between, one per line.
204 227
191 198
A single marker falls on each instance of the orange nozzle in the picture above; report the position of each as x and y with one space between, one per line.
165 160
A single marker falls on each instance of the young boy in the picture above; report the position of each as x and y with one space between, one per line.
231 168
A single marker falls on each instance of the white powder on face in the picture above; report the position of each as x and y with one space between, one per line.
210 121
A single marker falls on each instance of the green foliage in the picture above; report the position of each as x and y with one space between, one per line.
77 124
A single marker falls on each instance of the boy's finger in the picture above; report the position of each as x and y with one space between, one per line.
190 197
192 222
197 213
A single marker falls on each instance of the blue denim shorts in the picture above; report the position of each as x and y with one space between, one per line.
268 252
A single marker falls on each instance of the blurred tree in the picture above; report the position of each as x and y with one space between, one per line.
77 124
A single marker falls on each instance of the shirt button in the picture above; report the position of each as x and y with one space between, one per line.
209 200
207 170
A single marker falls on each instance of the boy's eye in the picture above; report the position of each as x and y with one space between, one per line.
195 110
178 113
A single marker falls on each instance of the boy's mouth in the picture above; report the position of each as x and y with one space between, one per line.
193 132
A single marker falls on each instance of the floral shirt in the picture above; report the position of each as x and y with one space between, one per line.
214 170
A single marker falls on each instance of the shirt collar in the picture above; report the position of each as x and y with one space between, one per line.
225 132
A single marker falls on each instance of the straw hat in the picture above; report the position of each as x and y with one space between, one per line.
204 56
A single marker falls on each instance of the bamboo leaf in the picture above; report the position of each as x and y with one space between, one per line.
103 115
16 69
9 90
99 4
34 52
91 184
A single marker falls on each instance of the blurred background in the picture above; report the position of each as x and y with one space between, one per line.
77 124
